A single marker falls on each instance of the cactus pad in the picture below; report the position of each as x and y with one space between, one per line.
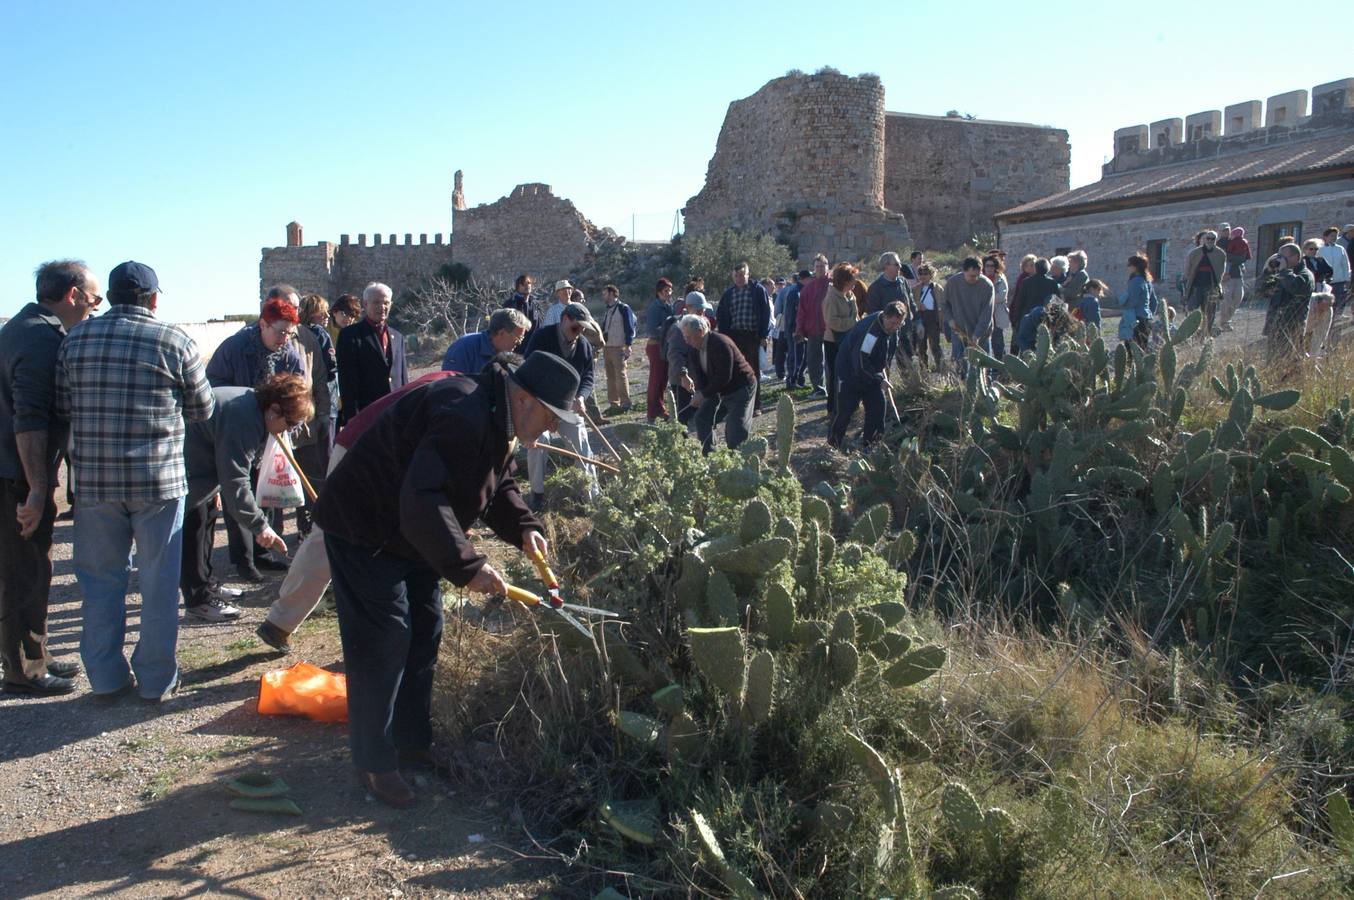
778 616
815 508
738 484
718 653
634 819
669 700
738 883
891 611
756 521
916 666
960 809
893 645
643 729
759 700
785 430
871 527
755 559
870 626
844 627
843 662
683 739
721 601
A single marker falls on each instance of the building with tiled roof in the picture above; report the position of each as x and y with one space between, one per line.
1292 175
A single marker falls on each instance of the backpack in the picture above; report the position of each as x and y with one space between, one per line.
664 331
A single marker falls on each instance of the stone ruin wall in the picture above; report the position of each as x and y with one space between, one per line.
803 157
332 269
951 176
817 160
530 230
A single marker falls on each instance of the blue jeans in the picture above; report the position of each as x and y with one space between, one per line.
103 562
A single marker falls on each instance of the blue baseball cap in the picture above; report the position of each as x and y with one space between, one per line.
132 278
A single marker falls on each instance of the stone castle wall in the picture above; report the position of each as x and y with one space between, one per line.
332 269
950 176
817 160
530 230
804 158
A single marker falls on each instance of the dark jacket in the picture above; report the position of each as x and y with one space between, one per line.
790 311
28 346
324 377
547 338
523 305
421 474
220 452
724 371
760 304
365 373
1034 291
243 361
866 352
883 292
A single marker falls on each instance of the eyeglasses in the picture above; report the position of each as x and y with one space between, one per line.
95 298
286 328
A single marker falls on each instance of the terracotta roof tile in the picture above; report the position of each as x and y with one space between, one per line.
1262 162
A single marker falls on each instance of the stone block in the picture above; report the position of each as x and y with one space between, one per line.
1286 109
1202 125
1333 97
1240 118
1166 133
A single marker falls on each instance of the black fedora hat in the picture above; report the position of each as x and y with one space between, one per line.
550 380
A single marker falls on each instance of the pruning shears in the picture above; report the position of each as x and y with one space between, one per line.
554 599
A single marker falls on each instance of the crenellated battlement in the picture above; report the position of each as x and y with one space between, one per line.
1235 128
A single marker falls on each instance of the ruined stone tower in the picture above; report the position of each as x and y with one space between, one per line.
804 157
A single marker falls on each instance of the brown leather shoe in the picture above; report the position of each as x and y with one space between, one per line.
389 788
423 758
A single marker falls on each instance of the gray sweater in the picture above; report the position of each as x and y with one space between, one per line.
220 451
970 306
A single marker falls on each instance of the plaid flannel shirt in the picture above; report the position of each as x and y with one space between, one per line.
127 383
743 313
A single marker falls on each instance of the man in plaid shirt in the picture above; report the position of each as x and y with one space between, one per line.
744 316
127 383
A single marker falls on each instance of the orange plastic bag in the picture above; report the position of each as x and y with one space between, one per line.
304 690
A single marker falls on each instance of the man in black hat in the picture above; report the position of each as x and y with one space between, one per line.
395 513
565 340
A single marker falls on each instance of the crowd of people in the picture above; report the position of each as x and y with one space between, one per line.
159 445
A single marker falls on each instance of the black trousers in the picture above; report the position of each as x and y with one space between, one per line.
778 347
390 624
685 411
851 394
25 586
748 343
240 541
199 534
314 461
830 372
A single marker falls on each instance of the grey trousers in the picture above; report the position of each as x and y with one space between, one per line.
737 418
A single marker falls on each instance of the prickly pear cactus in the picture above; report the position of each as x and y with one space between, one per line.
719 656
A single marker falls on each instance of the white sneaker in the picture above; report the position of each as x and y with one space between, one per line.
214 610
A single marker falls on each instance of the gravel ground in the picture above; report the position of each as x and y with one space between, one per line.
125 800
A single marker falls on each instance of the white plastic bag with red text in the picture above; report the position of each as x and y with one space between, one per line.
278 485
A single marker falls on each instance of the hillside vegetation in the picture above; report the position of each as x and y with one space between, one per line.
1080 626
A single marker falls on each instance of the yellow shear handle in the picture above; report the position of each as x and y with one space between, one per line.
521 595
543 568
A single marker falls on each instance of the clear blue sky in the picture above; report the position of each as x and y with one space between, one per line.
186 135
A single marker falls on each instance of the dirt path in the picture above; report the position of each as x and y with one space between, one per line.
126 799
